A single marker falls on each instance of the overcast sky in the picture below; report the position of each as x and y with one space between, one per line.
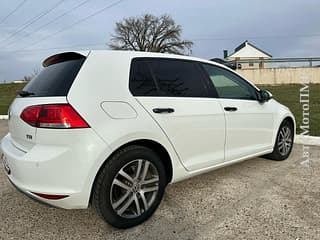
286 28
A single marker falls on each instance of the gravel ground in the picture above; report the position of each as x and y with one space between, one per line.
255 199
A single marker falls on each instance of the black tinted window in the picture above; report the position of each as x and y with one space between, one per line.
166 77
141 82
178 78
55 80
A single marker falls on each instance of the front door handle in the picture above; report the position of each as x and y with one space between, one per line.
230 109
163 110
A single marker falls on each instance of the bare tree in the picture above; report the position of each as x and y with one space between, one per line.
149 33
32 75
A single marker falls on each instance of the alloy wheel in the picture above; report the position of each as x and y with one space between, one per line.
284 140
134 188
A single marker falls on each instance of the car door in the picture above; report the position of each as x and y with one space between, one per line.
175 94
249 123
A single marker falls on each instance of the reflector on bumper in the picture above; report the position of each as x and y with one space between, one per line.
49 196
5 163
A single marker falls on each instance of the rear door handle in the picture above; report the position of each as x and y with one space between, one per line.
163 110
230 109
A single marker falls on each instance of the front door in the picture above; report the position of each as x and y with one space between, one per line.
249 123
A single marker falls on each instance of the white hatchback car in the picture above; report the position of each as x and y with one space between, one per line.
115 127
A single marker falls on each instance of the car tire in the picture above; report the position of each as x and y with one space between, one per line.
284 142
129 187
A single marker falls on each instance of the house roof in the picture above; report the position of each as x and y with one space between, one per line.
246 43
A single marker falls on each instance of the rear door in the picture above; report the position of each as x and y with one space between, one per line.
176 96
51 85
249 123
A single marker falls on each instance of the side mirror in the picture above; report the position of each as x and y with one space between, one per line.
264 96
270 94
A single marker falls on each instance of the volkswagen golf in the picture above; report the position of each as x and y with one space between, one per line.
113 128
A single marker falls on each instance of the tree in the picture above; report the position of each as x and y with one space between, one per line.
151 34
32 75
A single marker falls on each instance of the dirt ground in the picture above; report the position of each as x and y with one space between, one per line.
255 199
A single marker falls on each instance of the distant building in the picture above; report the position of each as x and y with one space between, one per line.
20 81
247 51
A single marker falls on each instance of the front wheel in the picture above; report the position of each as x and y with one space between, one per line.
284 142
130 187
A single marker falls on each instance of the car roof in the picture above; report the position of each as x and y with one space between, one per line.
134 54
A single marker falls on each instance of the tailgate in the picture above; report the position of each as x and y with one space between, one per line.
23 135
50 86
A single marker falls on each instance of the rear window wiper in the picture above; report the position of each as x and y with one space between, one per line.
23 93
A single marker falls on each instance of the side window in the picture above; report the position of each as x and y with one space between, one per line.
166 77
228 84
141 82
178 78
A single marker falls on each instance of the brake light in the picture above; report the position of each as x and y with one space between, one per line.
53 116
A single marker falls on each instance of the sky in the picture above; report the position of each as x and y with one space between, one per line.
31 30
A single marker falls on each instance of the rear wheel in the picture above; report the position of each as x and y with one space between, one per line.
284 142
130 187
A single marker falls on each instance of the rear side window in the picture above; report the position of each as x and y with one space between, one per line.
57 76
166 77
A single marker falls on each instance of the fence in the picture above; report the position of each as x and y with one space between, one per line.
280 70
281 75
278 62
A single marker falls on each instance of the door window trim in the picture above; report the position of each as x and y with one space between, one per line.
243 81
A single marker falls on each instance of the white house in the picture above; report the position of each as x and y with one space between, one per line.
247 51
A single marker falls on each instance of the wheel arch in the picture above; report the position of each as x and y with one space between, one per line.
159 149
153 145
289 118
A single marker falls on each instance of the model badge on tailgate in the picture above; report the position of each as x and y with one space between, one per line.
29 137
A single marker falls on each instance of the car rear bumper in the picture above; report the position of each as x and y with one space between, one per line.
31 196
55 169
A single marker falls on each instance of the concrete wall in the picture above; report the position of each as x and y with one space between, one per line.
281 75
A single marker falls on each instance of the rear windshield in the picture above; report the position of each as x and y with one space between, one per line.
55 79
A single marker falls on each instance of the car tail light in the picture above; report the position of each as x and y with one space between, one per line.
50 196
53 116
